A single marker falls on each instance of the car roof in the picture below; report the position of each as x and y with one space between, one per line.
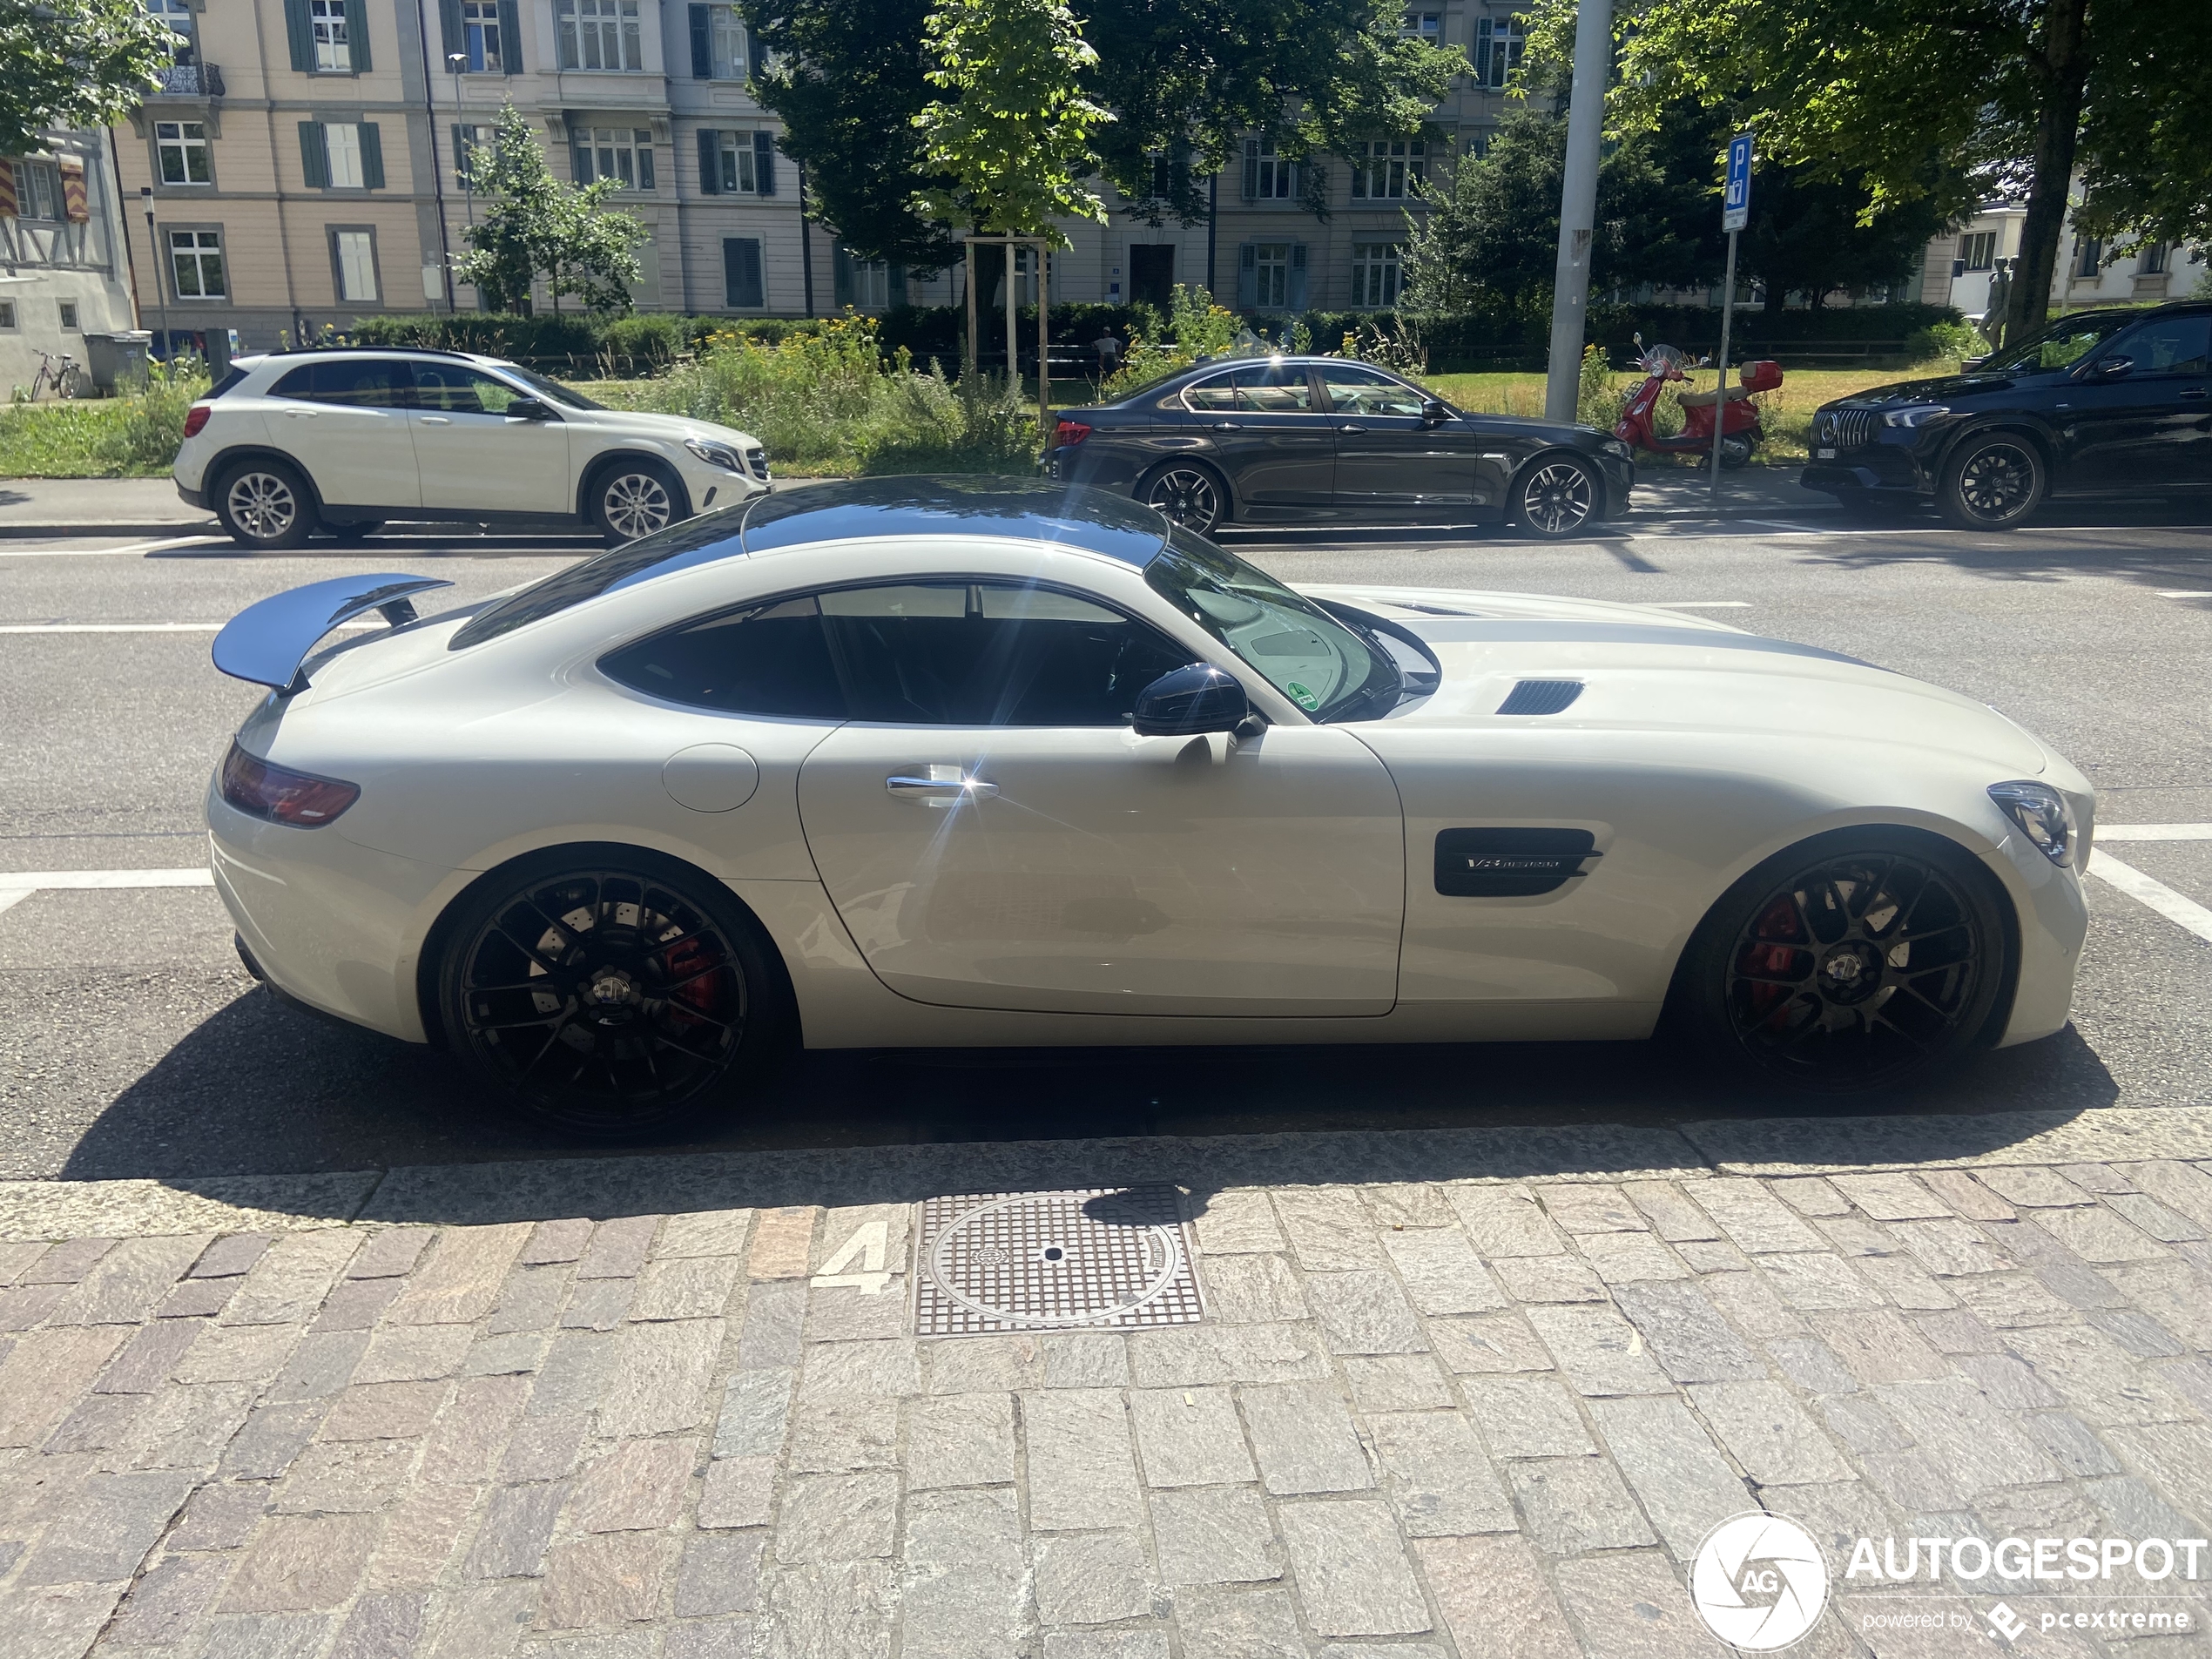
304 354
1026 509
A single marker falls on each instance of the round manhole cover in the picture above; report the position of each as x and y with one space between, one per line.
1027 1261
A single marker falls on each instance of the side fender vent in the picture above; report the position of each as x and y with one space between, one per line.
1540 697
1510 863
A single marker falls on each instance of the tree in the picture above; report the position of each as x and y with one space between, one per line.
74 64
1819 236
1941 100
1185 80
535 225
1013 130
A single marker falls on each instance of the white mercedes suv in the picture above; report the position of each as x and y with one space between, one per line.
346 441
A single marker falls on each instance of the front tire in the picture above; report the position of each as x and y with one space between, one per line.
1558 497
631 499
1858 960
1992 482
265 505
1188 494
610 996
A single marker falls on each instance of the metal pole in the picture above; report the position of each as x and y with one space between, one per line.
805 241
1013 338
1044 342
1578 206
967 367
1720 391
161 288
1213 224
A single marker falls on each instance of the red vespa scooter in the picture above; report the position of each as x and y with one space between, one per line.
1740 432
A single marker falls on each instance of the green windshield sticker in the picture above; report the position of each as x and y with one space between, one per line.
1305 698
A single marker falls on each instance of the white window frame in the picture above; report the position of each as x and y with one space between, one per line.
1423 26
2089 258
1977 250
187 141
334 45
1390 170
1498 45
353 265
341 156
729 54
71 317
593 31
868 282
613 152
738 178
1273 178
198 244
1378 273
481 37
1271 276
183 24
38 190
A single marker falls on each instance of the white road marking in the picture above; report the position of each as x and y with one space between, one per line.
1776 525
2152 832
2185 593
50 881
110 628
1699 604
134 551
2186 913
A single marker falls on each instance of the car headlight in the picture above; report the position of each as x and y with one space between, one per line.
1918 414
715 455
1614 446
2042 812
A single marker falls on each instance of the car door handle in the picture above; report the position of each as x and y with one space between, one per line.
301 415
1227 426
437 420
938 779
2197 391
1351 428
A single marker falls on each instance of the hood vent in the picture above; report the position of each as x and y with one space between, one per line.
1540 697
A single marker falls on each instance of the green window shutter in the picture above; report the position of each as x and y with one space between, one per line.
312 156
741 285
646 179
579 162
510 37
702 47
710 162
450 28
357 33
763 163
1296 295
302 35
756 55
460 156
372 157
1247 276
1252 169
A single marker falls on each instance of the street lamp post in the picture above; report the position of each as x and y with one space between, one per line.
154 240
457 62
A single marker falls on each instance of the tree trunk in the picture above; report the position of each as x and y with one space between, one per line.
2063 67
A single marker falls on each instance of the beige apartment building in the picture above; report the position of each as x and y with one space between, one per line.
301 165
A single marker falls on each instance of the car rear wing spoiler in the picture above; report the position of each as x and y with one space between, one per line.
267 642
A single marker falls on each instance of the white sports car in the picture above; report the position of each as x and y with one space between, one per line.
922 762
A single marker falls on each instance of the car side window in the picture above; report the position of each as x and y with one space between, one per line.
769 659
360 382
453 389
1274 388
1213 396
1362 391
2171 346
989 653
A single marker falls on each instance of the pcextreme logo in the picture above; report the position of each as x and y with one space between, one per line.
1758 1582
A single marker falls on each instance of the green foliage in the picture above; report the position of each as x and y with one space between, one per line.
656 337
73 64
132 436
1945 339
494 333
535 225
1197 329
1011 126
1597 394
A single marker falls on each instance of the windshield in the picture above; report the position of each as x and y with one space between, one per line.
2065 341
1325 668
552 390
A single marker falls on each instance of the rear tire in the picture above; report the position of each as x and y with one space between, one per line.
635 497
266 505
1558 497
1189 493
1861 959
612 992
1992 482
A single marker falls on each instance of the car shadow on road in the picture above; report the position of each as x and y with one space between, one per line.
261 1088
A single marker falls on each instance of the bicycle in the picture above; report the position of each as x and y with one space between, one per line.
63 380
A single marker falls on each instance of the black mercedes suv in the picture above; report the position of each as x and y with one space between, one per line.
2099 404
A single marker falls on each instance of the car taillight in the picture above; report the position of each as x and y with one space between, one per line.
195 418
281 795
1070 432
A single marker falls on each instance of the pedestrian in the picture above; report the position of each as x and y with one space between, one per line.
2000 296
1109 354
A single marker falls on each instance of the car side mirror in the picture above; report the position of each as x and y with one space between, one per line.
1186 702
2114 368
529 408
1435 414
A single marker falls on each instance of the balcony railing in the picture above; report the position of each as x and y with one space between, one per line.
192 80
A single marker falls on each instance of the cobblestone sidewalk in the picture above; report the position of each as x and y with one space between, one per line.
1471 1415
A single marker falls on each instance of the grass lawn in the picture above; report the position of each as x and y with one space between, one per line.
79 440
1785 415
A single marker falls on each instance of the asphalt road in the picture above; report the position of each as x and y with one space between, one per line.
132 1043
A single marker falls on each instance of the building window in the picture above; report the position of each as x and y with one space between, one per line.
1160 165
333 46
342 146
196 257
467 136
1375 274
741 285
1268 177
864 283
624 154
182 148
1271 260
1389 170
353 257
177 14
725 42
1424 26
2089 258
599 34
2150 259
480 33
6 314
1977 250
1498 46
38 190
736 152
68 315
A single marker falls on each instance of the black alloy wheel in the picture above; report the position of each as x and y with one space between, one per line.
266 504
634 498
1189 495
1992 483
1858 968
1558 496
608 998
